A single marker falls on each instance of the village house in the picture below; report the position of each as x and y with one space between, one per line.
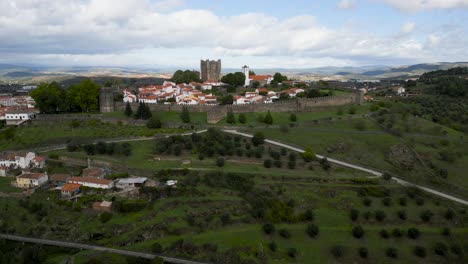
59 179
94 172
3 171
129 97
70 189
400 91
19 116
104 206
131 183
293 92
24 160
31 180
92 182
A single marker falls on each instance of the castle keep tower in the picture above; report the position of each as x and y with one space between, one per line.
210 70
106 100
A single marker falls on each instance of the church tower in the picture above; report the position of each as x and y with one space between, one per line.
247 75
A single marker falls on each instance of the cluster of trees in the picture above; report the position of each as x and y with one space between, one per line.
234 79
231 119
212 144
143 111
52 98
102 148
186 76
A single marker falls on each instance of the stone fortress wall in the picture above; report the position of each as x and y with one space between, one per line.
218 112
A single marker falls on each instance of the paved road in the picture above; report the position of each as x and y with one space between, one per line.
349 165
97 248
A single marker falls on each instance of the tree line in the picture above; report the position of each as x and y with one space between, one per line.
53 98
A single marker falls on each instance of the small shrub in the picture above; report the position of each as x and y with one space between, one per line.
337 251
440 249
402 214
380 215
446 231
387 176
420 251
354 214
156 248
456 250
397 233
220 162
363 253
367 215
284 233
384 234
367 202
272 246
449 214
391 252
403 201
293 117
358 232
309 215
105 217
413 233
267 163
387 201
268 229
426 215
292 252
312 230
420 201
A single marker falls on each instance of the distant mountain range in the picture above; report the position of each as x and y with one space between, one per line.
38 73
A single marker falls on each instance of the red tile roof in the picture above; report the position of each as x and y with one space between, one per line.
33 176
70 187
260 77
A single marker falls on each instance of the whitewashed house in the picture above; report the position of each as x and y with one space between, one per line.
92 182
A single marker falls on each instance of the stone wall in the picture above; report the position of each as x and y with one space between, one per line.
218 112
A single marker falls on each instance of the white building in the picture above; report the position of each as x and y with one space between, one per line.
31 180
130 182
129 97
92 182
23 161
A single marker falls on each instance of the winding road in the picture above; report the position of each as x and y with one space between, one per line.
356 167
300 150
97 248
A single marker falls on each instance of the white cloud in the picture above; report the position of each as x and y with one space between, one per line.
433 39
132 32
418 5
347 4
165 5
408 27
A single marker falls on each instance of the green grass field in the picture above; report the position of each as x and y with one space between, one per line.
6 187
60 133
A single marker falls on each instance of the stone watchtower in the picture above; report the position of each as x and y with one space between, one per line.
106 100
210 70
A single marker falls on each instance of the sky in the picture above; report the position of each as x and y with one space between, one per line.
258 33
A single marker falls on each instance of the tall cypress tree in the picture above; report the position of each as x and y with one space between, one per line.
268 119
230 119
185 115
128 110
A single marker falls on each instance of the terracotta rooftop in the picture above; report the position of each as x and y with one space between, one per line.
70 187
33 176
93 172
60 177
